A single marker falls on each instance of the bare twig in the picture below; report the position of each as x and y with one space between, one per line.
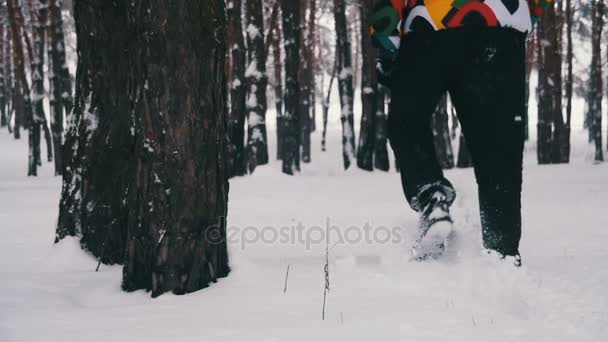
286 277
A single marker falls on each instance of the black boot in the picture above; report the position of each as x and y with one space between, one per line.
434 229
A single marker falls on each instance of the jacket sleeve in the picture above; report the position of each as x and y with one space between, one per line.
385 23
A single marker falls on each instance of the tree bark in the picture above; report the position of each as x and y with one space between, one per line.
60 82
550 120
3 114
238 91
369 91
381 138
274 40
596 91
291 140
345 83
146 183
24 113
257 82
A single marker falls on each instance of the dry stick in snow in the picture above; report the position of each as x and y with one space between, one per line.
326 271
286 277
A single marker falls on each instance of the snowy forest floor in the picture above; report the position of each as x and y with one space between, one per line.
51 293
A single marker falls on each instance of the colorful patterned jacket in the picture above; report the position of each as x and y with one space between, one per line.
393 18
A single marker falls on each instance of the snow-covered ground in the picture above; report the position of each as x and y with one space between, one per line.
51 292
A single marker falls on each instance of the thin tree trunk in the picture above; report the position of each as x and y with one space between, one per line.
257 82
3 114
39 22
569 79
549 89
148 182
238 91
59 81
291 118
22 89
326 110
596 92
381 159
369 91
345 83
277 56
306 84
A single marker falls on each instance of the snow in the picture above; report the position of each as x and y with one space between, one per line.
51 293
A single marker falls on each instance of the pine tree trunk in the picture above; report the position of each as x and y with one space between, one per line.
381 138
549 88
345 83
146 183
275 38
59 80
40 24
441 132
369 91
291 117
596 91
238 91
305 84
257 81
3 116
24 113
569 79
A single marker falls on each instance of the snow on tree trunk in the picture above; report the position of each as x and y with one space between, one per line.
257 81
441 133
3 116
345 83
291 117
146 180
238 91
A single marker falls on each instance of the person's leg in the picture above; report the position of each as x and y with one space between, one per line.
488 92
417 85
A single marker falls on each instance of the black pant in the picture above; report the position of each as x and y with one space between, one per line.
483 70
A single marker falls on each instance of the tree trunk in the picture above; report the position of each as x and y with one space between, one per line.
40 25
596 91
569 79
24 114
441 132
345 83
275 38
257 81
291 117
146 183
306 84
3 116
59 80
550 120
380 145
325 106
238 91
369 91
